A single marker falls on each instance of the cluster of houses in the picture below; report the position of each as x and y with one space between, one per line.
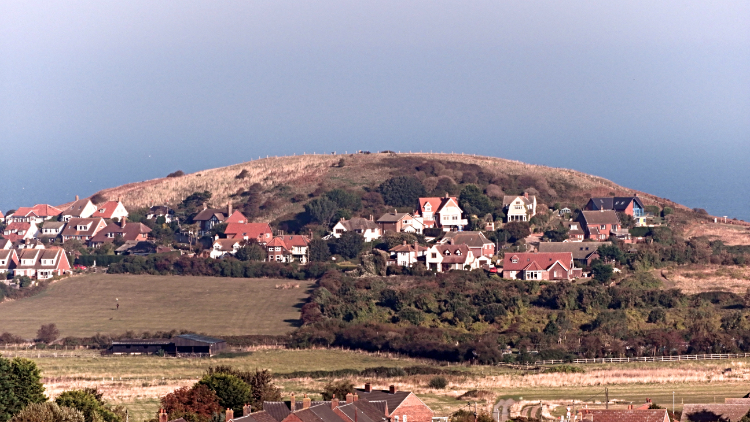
364 405
95 225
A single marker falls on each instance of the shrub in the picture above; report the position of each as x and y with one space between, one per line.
178 173
321 210
565 369
349 244
402 191
602 272
438 383
47 333
339 389
232 392
657 315
48 412
90 403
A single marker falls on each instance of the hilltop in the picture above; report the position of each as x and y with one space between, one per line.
304 174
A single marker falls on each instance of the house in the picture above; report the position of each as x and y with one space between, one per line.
713 412
400 222
259 231
476 241
402 406
630 205
8 260
368 228
51 230
600 225
288 248
28 244
448 257
406 255
160 211
137 232
583 252
83 229
110 210
519 208
5 244
540 266
140 248
208 218
630 415
20 231
41 263
2 217
575 231
80 208
36 214
442 213
235 217
222 247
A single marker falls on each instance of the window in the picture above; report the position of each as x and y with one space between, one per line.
603 227
446 253
434 255
514 260
404 418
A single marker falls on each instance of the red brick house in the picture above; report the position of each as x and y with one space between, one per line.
235 217
137 232
630 415
402 406
599 225
288 248
245 231
540 266
41 263
584 253
400 222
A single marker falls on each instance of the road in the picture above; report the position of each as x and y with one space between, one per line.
502 409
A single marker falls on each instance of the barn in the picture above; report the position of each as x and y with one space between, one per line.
198 344
182 345
147 346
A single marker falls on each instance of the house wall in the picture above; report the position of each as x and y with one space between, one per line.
414 409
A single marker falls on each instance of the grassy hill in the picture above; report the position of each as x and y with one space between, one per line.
83 306
304 174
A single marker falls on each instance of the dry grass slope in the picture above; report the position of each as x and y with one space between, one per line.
85 305
306 171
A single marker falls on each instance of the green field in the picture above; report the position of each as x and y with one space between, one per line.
85 305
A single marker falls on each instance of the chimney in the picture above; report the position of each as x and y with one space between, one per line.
526 195
246 410
349 397
371 217
368 388
76 197
404 243
416 249
163 417
306 402
450 240
293 403
229 209
356 396
334 402
230 415
204 206
123 221
446 195
392 389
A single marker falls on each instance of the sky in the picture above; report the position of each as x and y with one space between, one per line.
652 95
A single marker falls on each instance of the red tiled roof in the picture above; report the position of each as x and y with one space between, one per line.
409 247
617 415
544 260
236 217
453 257
436 203
251 230
131 231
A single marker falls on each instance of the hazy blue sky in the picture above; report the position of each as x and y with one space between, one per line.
653 95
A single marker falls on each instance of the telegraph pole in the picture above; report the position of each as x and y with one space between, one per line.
606 397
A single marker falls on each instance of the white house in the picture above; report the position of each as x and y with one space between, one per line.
369 229
442 213
111 210
223 247
519 208
406 255
81 208
451 257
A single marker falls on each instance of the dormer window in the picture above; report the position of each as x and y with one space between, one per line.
514 260
458 253
446 253
427 207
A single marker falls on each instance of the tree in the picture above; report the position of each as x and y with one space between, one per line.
48 412
98 199
47 333
321 210
344 199
90 403
558 234
473 201
252 251
254 194
319 251
27 380
349 244
611 253
602 272
232 392
516 231
243 174
260 382
10 404
339 389
198 401
402 191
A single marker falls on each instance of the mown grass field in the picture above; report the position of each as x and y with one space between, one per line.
86 305
138 381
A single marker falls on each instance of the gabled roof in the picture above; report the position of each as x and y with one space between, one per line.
623 415
580 250
160 210
71 228
131 231
226 245
106 210
543 260
278 410
17 226
236 217
5 244
472 239
208 213
251 230
533 266
453 254
393 217
508 199
38 255
714 412
198 337
600 217
261 416
9 256
616 203
76 208
392 400
437 203
407 247
53 224
289 241
359 223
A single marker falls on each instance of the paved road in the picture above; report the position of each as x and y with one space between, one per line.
501 411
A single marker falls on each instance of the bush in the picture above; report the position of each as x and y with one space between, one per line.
340 389
48 412
232 392
178 173
438 383
47 333
565 369
657 315
349 244
602 272
90 403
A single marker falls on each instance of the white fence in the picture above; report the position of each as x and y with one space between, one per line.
649 359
